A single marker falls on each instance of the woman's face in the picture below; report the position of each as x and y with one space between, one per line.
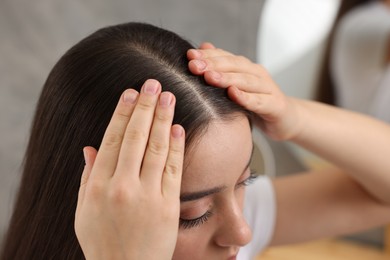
212 225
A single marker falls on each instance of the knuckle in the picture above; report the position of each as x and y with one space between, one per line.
164 117
113 140
119 194
96 190
157 147
241 59
259 103
173 168
220 51
146 105
122 116
135 134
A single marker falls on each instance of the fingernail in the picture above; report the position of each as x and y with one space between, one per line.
177 131
85 156
130 96
165 99
200 64
151 87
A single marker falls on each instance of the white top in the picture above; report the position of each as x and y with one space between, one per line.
260 213
358 61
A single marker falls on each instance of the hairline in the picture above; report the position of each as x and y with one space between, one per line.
223 119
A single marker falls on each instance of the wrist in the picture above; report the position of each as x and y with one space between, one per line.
295 118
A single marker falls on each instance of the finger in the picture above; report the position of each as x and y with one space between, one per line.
207 45
224 64
173 171
261 104
207 53
91 154
158 144
137 131
243 81
107 157
89 158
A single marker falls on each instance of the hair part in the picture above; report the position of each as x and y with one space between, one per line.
73 111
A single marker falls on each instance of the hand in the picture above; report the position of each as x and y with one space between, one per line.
128 205
249 85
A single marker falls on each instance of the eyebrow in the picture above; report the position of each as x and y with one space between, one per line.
191 196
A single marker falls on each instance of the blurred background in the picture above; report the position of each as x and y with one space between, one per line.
288 37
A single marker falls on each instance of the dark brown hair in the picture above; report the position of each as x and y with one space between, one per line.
326 91
73 111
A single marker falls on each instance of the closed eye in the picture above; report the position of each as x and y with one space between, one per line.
248 181
190 223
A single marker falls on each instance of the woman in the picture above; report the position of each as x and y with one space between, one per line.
142 197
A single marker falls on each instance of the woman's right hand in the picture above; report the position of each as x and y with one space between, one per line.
249 85
128 205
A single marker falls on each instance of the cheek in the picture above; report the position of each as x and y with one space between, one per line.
192 243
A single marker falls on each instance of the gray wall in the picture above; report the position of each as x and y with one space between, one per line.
34 34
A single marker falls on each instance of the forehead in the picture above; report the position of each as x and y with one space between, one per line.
222 152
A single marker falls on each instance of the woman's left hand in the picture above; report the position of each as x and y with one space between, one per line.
129 197
249 85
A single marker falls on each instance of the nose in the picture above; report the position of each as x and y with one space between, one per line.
233 231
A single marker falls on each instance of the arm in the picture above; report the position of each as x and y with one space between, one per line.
322 204
336 202
358 144
315 204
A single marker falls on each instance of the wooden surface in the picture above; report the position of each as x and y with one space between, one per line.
387 240
330 249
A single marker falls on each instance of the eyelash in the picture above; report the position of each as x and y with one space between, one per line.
191 223
252 177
